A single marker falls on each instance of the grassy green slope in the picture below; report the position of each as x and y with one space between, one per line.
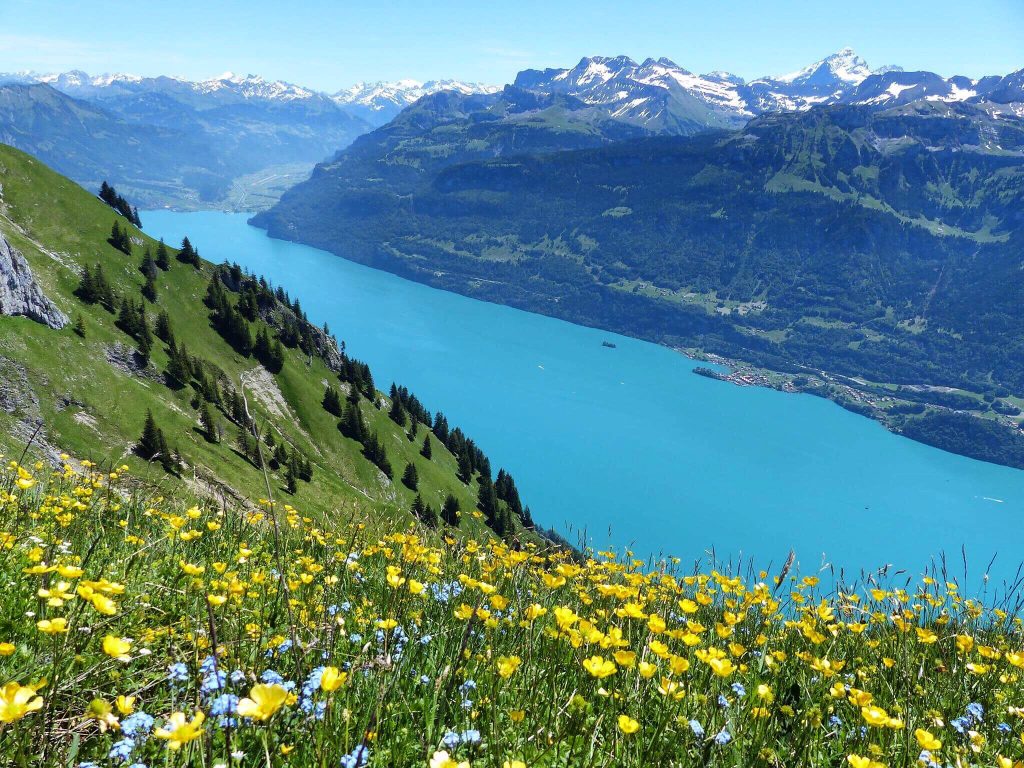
92 409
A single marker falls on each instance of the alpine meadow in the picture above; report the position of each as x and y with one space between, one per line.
467 407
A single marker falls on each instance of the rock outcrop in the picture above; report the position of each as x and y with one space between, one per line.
20 294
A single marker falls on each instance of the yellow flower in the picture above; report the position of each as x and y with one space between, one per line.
103 713
263 701
858 761
332 679
599 667
104 604
926 740
516 715
52 626
507 665
117 647
625 658
646 669
179 730
722 667
125 704
192 570
535 611
441 759
16 701
216 600
6 649
513 764
415 587
628 725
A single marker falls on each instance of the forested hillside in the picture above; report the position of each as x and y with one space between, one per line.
881 244
208 381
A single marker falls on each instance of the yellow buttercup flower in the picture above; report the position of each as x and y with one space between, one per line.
859 761
441 759
125 704
263 701
52 626
628 725
179 730
332 679
16 701
599 667
117 647
926 740
507 665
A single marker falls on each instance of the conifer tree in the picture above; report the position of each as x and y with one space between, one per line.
465 468
353 425
80 325
163 328
487 501
332 401
210 429
410 477
450 511
188 254
426 451
149 289
152 444
163 258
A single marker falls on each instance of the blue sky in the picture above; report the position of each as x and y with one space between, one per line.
328 45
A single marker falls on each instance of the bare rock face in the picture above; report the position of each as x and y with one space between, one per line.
20 294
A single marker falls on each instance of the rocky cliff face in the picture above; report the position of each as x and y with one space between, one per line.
20 294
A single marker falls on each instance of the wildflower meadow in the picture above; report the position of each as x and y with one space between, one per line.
139 631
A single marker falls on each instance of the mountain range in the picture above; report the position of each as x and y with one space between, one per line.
231 141
838 220
239 141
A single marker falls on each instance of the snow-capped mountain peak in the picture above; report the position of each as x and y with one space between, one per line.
392 96
843 65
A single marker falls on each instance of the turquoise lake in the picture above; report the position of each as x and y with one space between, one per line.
631 448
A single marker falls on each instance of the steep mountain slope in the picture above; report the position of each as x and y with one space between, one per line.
874 243
87 388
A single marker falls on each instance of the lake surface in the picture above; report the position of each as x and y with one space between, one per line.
629 444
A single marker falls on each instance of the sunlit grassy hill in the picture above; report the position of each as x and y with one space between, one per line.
91 396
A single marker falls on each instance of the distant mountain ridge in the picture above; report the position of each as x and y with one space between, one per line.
662 97
375 102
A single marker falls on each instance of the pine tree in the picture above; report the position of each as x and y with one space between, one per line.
332 401
119 239
290 484
148 266
487 501
163 328
210 430
410 478
80 325
426 450
163 259
145 347
188 254
353 425
417 507
465 468
179 369
450 511
149 289
151 444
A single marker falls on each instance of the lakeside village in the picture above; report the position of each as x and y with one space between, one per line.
878 401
